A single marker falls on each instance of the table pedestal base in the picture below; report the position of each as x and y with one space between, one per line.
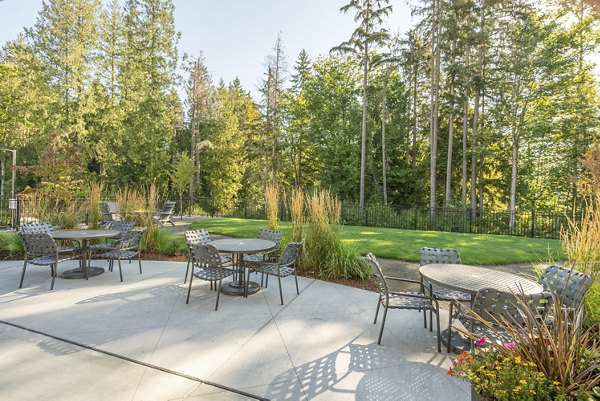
459 343
236 288
80 273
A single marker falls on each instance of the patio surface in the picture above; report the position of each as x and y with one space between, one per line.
138 340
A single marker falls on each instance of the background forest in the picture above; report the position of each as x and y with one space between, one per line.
481 104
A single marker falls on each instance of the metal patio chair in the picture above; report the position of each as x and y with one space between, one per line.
285 266
443 256
406 300
41 250
164 216
270 256
206 259
568 287
45 227
125 248
199 237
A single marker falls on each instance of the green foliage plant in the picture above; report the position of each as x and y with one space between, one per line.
182 175
92 209
558 354
324 249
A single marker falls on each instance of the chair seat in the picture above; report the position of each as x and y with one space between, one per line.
275 269
64 249
118 254
447 294
408 302
47 260
101 247
212 274
256 258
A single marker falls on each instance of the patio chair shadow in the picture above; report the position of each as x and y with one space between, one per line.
380 380
133 295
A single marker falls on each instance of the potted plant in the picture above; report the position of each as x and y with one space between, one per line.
555 360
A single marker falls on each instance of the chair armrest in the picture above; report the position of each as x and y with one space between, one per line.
405 280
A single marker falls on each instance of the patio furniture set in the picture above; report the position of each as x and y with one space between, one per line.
481 299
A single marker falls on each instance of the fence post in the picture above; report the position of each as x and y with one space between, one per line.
533 224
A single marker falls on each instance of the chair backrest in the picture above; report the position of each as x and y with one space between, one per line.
440 255
499 307
290 253
197 237
130 240
110 211
270 235
569 286
205 255
168 207
376 270
37 244
122 226
32 228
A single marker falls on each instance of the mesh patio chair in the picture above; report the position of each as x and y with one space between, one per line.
164 216
125 248
41 250
497 309
406 300
44 227
206 259
121 226
567 286
199 237
443 256
270 256
284 267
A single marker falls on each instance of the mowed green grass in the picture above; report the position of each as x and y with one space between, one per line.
476 249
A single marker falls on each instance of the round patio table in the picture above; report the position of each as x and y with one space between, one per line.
471 279
237 247
85 270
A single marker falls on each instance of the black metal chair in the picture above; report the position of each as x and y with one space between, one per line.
286 266
164 216
270 256
418 301
206 259
568 287
121 226
492 310
126 248
443 256
41 250
45 227
199 237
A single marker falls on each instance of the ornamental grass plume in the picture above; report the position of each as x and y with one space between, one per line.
93 212
272 205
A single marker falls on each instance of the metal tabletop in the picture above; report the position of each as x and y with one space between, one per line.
85 270
471 279
243 245
238 247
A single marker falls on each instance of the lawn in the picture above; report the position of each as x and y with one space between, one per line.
398 244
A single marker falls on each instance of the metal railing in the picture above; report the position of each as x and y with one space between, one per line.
526 223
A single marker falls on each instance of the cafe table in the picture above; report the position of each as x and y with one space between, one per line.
237 247
470 279
84 270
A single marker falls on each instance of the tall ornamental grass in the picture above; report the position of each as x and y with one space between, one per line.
324 250
272 205
93 211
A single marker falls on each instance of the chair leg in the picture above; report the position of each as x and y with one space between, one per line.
296 278
377 311
187 269
382 325
190 286
120 270
53 269
218 293
23 273
280 292
439 336
139 261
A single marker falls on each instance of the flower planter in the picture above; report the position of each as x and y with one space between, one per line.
475 396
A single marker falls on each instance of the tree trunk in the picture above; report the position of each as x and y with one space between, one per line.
414 126
363 142
450 138
383 153
465 135
435 73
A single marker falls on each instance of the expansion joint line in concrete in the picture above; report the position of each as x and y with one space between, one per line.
125 358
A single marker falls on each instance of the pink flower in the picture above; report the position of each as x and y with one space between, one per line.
480 342
511 346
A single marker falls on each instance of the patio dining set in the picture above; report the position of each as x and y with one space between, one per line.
483 301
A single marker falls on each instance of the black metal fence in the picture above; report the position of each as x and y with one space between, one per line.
526 223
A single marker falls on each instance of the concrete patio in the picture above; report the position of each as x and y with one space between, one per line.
138 340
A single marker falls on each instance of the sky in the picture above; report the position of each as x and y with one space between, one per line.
235 36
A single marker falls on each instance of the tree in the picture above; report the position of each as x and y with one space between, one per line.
182 174
365 38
